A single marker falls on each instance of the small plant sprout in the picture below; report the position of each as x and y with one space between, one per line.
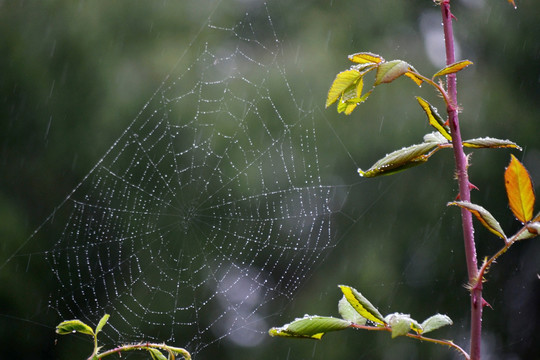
156 351
348 90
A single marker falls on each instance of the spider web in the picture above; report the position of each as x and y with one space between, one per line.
208 208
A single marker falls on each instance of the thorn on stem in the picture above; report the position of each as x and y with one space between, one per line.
485 303
473 187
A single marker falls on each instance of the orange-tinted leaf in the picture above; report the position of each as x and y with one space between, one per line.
342 81
519 190
453 68
366 57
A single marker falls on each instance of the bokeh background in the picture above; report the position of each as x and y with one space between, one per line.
73 75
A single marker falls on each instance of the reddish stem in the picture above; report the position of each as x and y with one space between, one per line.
464 189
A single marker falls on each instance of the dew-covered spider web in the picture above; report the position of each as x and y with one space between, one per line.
209 207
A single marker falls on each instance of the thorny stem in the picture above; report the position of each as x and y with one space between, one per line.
415 336
464 187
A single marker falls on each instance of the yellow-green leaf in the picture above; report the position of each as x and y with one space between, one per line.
414 77
391 70
342 81
453 68
359 87
310 327
434 118
401 159
362 305
436 321
483 216
520 190
488 142
416 327
349 313
347 106
366 57
71 326
401 324
102 323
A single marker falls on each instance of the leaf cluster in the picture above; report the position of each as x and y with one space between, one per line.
358 312
348 88
155 350
348 85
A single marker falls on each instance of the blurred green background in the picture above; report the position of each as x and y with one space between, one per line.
73 75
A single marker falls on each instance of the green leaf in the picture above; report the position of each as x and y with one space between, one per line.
365 58
391 70
435 137
488 142
310 327
362 305
348 313
400 324
102 323
483 216
400 160
156 354
434 118
453 68
71 326
436 321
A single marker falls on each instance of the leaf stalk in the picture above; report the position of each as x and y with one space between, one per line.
415 336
